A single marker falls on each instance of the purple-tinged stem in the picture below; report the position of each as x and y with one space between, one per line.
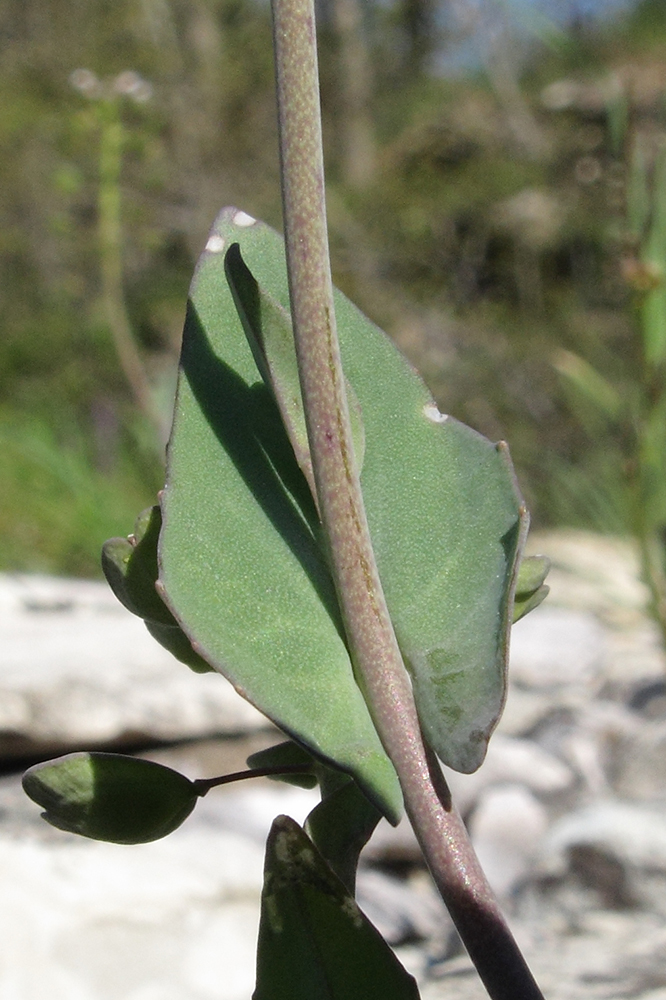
370 634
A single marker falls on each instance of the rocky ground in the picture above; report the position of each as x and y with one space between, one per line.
568 813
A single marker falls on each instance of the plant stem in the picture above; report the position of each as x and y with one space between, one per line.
374 649
204 785
111 256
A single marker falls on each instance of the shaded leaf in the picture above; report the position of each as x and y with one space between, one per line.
341 824
314 942
285 755
130 567
340 827
268 328
105 796
176 642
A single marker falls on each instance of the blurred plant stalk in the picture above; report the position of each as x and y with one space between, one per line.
641 411
108 97
647 226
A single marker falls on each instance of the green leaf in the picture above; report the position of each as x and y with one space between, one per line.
286 754
240 555
130 567
340 827
314 942
268 329
530 589
106 796
176 642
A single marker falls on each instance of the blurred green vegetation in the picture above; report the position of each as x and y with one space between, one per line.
477 217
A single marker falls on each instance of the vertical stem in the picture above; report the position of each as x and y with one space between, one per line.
111 255
647 492
370 634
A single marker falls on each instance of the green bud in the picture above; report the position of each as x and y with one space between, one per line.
524 603
130 567
530 589
107 796
532 572
131 570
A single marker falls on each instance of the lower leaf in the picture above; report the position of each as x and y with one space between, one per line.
314 942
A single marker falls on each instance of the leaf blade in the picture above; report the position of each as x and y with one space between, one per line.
446 519
240 558
313 939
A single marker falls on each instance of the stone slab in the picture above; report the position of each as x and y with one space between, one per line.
77 669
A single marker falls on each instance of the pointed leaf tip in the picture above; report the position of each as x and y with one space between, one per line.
313 939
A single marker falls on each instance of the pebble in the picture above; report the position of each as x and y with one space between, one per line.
507 828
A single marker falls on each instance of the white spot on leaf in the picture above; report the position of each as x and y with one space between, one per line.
283 847
215 244
243 219
353 912
432 413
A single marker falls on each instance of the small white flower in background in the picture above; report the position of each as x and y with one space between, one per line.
85 81
129 83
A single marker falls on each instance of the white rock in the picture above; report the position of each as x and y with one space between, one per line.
507 827
88 921
635 834
553 647
402 910
76 667
524 710
511 761
640 762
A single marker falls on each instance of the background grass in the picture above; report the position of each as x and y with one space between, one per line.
487 235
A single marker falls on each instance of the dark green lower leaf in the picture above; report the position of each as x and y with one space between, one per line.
108 796
341 826
314 942
286 754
